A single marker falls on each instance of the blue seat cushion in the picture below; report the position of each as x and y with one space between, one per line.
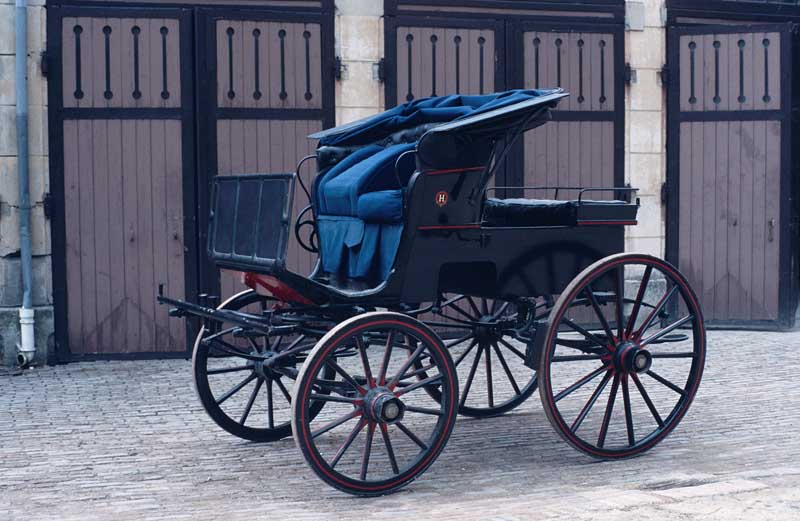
385 206
359 250
339 195
343 166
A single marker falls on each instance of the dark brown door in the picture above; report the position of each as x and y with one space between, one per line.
122 123
728 168
269 95
581 147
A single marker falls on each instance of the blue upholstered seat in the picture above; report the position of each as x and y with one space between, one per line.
385 206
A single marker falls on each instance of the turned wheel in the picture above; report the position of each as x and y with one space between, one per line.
237 389
480 334
379 429
623 356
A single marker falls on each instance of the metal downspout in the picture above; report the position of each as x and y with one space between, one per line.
26 348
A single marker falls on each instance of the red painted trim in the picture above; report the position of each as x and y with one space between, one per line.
453 170
273 287
450 227
604 223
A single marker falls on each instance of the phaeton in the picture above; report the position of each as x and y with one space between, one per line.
436 293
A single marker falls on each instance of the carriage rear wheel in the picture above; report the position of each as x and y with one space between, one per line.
379 430
237 390
619 371
479 334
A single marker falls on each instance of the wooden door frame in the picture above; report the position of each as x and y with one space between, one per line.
56 116
788 276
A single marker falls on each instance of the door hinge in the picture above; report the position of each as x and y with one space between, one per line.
47 204
629 74
664 193
43 63
338 68
379 70
664 75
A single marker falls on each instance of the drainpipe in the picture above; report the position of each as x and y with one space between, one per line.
26 348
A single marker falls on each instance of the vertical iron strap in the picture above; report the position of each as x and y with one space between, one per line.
107 94
231 92
457 41
78 90
164 91
256 65
307 38
602 45
765 43
481 42
282 36
536 42
580 71
558 43
409 39
434 39
692 49
135 30
742 97
717 99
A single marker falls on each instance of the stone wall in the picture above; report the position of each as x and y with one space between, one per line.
10 276
645 128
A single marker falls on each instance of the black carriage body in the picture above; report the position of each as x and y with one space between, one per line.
454 238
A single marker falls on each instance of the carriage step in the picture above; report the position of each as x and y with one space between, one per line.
533 348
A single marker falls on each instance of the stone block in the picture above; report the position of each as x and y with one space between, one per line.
652 13
39 178
646 172
348 114
646 131
650 217
37 130
9 180
360 38
360 90
40 231
7 94
359 7
7 30
8 131
649 245
9 229
11 279
647 93
645 49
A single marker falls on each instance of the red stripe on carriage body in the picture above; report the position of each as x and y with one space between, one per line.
315 369
472 226
453 170
607 223
270 286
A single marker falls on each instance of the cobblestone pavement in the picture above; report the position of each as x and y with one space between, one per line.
129 440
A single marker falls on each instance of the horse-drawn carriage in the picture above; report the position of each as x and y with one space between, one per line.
435 294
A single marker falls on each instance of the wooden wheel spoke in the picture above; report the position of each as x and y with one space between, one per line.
620 285
344 374
335 423
461 312
362 351
647 400
348 442
250 401
575 358
466 352
413 437
284 390
471 376
637 304
367 451
230 369
626 400
511 348
597 311
417 372
389 449
387 355
424 410
664 381
416 385
506 369
672 355
236 388
270 407
612 396
489 389
473 306
410 360
459 340
588 335
592 399
655 311
333 398
580 383
667 330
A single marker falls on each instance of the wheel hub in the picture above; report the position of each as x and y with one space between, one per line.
381 405
630 358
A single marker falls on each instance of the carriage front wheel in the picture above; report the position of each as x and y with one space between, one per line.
380 429
623 356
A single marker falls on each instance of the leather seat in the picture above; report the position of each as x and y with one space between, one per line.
546 212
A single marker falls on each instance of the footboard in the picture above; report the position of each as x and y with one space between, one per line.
249 221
